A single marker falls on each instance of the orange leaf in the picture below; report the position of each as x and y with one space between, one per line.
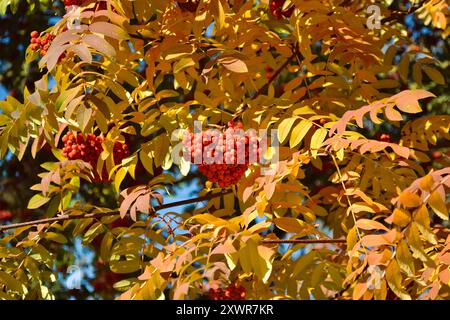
409 199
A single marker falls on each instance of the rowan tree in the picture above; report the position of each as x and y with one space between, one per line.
348 198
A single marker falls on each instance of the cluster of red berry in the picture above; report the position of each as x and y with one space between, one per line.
276 7
89 148
99 5
69 3
188 5
228 158
233 292
41 44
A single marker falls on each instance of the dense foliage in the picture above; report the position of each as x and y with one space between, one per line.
331 140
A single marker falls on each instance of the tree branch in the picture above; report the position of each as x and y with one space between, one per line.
304 241
275 74
272 79
112 213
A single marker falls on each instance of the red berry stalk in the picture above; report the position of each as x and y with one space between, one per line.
224 156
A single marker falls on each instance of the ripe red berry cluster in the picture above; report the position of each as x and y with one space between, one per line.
233 292
41 44
188 5
88 149
228 158
276 7
69 3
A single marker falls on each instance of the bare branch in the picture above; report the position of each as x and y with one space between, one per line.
112 213
304 241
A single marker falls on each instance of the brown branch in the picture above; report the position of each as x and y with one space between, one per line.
276 74
304 241
271 79
112 213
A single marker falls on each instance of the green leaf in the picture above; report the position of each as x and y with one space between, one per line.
37 201
96 229
11 283
105 247
125 266
56 237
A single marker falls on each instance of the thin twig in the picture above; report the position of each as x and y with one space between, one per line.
272 78
305 241
66 217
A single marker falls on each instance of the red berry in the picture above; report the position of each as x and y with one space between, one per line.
233 292
436 154
34 34
385 137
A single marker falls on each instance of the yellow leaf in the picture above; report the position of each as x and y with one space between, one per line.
120 175
299 132
351 238
290 225
427 182
438 205
409 199
234 64
401 217
317 140
434 75
367 224
37 201
405 259
252 261
394 279
403 67
284 128
359 290
390 53
183 64
417 73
